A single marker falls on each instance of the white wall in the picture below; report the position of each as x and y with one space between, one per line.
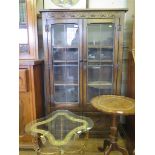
107 3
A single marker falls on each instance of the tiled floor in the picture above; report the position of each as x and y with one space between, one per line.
91 149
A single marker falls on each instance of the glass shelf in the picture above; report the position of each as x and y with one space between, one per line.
100 84
90 62
62 83
100 46
65 61
67 46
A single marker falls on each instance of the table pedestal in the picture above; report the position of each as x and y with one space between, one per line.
112 142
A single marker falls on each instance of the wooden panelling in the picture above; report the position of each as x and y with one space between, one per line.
25 116
23 80
130 120
30 101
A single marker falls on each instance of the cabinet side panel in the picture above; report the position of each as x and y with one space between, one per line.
24 118
38 85
25 114
30 102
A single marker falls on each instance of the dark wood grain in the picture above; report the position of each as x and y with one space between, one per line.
130 120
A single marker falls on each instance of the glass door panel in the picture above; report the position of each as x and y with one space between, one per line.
59 94
72 35
96 91
94 37
65 58
66 73
99 73
59 54
66 94
72 54
93 54
99 59
23 28
106 54
65 35
107 34
58 38
72 94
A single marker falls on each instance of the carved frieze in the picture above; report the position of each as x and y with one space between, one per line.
90 14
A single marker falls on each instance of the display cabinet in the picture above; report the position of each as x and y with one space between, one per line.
83 57
30 71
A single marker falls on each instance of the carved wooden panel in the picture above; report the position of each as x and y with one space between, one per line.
83 14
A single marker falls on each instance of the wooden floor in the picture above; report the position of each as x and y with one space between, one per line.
91 149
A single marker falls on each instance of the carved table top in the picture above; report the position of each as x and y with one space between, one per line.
114 104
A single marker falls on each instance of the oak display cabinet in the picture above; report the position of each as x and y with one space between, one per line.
83 59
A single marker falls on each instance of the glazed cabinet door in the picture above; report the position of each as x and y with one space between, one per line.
100 67
64 45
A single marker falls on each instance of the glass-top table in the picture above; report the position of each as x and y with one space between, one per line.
59 130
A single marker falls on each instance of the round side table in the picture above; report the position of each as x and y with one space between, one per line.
116 106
